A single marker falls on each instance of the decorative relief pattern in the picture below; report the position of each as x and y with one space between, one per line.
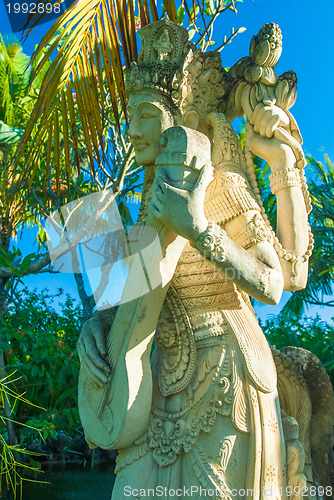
273 425
88 388
176 346
227 152
206 319
107 418
255 231
224 205
271 473
182 281
208 476
128 456
219 301
212 395
203 290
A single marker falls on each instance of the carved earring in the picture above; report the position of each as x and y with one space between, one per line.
191 119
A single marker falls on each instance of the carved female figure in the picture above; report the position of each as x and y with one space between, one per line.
214 424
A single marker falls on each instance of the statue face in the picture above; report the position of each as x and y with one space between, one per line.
148 119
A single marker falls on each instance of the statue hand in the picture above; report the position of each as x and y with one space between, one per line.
91 349
265 119
181 210
274 151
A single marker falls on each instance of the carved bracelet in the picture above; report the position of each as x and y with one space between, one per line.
211 242
285 178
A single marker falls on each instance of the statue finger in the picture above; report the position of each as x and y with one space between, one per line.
271 126
268 119
97 376
256 111
259 119
205 176
94 356
157 194
161 183
100 342
161 176
157 198
80 349
88 367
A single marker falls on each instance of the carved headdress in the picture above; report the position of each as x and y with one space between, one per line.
171 65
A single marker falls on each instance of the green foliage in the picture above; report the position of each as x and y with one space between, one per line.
17 98
15 262
13 458
200 21
312 334
39 343
14 78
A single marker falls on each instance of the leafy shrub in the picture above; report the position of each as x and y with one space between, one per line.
39 342
312 334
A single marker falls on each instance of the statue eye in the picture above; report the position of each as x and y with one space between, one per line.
147 115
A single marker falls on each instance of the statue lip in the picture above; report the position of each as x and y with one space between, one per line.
140 145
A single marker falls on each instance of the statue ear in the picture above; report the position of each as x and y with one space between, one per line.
191 119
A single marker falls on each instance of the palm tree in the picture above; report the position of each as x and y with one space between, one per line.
15 106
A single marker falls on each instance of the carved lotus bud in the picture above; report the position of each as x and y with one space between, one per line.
272 33
274 56
286 90
269 76
266 47
261 53
252 47
204 78
253 73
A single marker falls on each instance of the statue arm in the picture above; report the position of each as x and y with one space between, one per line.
256 268
292 217
273 134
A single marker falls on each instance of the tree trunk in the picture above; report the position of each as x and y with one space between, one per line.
87 301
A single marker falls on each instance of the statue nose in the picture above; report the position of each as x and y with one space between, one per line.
134 130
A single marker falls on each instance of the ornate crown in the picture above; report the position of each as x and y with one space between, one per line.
171 65
164 50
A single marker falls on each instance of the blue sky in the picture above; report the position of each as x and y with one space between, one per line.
308 48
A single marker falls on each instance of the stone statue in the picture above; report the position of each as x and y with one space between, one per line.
207 419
